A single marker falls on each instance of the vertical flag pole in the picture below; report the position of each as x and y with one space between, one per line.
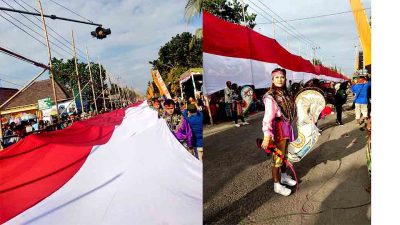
52 74
102 88
91 81
77 72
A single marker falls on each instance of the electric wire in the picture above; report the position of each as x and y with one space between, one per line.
293 28
298 36
50 28
37 33
71 11
68 47
315 17
41 29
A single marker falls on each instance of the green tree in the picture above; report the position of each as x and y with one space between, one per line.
65 74
231 11
175 57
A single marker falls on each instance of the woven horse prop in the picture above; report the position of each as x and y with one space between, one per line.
309 104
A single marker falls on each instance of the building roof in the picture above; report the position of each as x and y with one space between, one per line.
6 93
36 91
186 75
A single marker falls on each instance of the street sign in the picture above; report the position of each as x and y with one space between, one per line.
44 103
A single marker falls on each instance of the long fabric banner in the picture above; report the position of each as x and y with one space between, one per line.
239 54
364 29
122 167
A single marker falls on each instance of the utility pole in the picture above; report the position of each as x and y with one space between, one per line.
77 72
91 81
51 72
102 88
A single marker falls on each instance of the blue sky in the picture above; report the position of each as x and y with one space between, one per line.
336 35
139 28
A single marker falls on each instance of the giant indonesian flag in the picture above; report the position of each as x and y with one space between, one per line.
122 167
239 54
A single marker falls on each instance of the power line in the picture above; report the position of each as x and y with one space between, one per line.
35 33
313 17
18 56
68 47
290 26
300 34
279 25
37 27
69 43
71 11
29 34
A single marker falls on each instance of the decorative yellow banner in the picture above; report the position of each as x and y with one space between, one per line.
364 29
150 91
160 83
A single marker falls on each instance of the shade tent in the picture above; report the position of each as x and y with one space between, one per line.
243 56
122 167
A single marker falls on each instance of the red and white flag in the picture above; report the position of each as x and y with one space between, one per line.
239 54
122 167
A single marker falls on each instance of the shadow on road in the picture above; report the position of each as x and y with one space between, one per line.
349 203
332 150
241 208
227 157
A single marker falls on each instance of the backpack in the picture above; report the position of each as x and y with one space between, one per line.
341 96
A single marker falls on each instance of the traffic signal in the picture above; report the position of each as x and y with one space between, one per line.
101 33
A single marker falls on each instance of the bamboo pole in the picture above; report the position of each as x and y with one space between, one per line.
91 81
77 72
52 74
110 90
209 110
119 91
102 88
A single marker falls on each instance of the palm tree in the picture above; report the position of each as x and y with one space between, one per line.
194 8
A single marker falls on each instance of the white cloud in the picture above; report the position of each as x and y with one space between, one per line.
139 28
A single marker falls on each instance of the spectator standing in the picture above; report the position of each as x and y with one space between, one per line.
236 106
340 100
228 98
178 125
195 120
361 100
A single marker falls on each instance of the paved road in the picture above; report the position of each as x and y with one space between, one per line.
238 185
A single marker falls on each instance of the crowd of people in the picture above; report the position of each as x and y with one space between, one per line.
184 119
19 129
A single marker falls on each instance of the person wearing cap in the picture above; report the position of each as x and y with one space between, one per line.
280 113
195 120
178 125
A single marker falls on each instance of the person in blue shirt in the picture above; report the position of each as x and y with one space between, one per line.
195 119
361 99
